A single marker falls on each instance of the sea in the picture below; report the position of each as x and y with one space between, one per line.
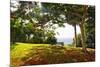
65 40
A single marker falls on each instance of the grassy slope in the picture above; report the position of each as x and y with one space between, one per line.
20 51
28 54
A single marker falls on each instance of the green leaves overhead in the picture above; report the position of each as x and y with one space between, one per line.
32 22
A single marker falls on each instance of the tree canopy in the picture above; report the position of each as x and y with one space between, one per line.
32 22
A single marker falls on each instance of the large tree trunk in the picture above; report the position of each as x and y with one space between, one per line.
75 35
83 37
85 7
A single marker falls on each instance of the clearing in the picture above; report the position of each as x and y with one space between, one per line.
35 54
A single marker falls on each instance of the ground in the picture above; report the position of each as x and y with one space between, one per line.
35 54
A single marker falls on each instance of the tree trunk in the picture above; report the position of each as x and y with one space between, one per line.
28 37
83 37
85 7
75 35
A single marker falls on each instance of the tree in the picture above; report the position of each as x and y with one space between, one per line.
73 20
18 19
54 14
29 23
79 11
90 27
79 43
51 40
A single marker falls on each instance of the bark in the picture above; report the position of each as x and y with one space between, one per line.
28 37
83 37
85 7
75 35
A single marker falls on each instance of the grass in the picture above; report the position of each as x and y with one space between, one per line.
20 50
33 54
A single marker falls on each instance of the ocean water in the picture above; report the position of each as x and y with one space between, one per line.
65 40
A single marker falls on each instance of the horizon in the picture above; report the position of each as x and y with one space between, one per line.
65 40
66 34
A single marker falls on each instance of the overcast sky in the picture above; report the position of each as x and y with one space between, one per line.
66 32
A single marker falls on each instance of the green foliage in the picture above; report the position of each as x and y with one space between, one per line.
79 43
90 28
28 24
51 40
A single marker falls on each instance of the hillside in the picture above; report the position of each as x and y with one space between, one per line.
35 54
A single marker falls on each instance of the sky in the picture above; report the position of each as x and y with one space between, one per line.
66 32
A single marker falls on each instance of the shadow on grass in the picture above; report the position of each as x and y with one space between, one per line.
54 54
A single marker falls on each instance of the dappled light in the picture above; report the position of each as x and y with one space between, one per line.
51 33
34 54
